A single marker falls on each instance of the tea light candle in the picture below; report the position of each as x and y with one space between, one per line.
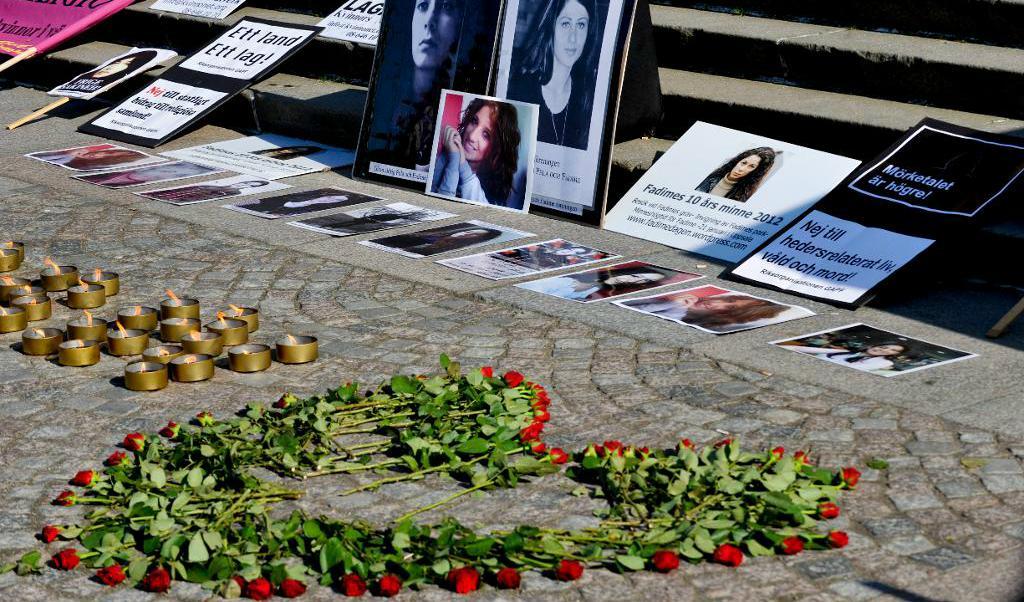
17 246
86 296
138 318
10 260
88 328
28 290
173 307
191 368
56 278
206 343
78 353
41 341
145 376
12 319
9 285
163 354
122 342
235 332
297 350
252 357
36 307
108 280
249 315
172 329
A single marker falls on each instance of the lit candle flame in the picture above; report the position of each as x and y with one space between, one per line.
172 296
3 311
53 266
88 317
124 333
97 275
75 344
238 310
220 318
9 244
83 285
39 334
25 288
191 359
7 280
138 310
292 340
162 352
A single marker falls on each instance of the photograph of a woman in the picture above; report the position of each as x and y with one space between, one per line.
113 71
528 260
609 282
556 68
872 350
454 237
299 203
95 158
371 219
426 46
212 190
154 174
486 148
716 310
739 178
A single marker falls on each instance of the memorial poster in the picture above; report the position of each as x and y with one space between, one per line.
112 72
355 21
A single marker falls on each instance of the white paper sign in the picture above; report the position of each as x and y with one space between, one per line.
246 50
160 109
214 9
268 156
355 21
831 258
112 72
721 192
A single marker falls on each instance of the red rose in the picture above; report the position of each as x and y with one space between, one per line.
171 430
66 498
802 458
513 379
558 456
352 585
157 581
65 560
728 555
390 585
286 400
568 570
242 583
792 545
723 443
644 451
487 371
778 452
50 533
541 416
838 539
111 575
665 561
539 448
134 442
116 458
532 432
83 478
259 589
291 588
688 444
508 578
613 447
205 419
464 580
828 510
851 476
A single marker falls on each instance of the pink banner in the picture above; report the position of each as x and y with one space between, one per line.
43 24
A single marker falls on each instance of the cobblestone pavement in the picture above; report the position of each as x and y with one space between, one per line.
945 517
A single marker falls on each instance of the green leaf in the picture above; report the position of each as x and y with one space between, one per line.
331 554
207 451
474 446
756 549
403 384
632 563
213 540
877 464
441 567
158 477
401 541
312 530
197 551
137 568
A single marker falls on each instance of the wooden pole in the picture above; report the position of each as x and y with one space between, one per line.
14 60
1004 322
43 111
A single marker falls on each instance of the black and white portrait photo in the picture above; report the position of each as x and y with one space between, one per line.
371 219
300 203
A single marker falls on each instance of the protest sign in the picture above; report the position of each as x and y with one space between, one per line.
236 186
721 192
454 237
268 156
214 9
372 219
112 72
609 282
936 182
355 21
301 203
248 51
29 27
528 260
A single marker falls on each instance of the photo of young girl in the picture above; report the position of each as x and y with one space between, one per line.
609 282
716 310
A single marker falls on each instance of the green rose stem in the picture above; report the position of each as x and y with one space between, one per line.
348 469
446 500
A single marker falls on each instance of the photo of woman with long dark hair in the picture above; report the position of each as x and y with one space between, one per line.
716 310
739 178
609 282
556 68
118 68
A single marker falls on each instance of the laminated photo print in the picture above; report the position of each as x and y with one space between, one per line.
152 174
716 310
95 157
869 349
454 237
483 151
609 282
528 260
371 219
301 203
237 186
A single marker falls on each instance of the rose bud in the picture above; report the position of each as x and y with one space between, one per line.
205 419
542 416
838 539
851 476
66 498
569 570
802 459
531 433
83 478
629 452
508 578
286 400
50 533
665 561
65 560
728 555
111 575
134 442
558 456
828 510
171 430
389 585
688 444
778 452
723 443
352 585
513 379
613 447
464 580
242 583
539 448
157 581
600 450
259 589
291 588
116 458
792 545
487 372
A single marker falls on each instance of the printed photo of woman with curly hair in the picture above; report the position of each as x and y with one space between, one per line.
739 178
484 148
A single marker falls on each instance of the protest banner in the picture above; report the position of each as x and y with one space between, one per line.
213 9
721 192
30 27
187 92
268 156
938 181
355 21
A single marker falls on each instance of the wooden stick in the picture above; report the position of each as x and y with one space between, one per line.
1004 322
43 111
14 60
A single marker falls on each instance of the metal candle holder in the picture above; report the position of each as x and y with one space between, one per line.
191 368
138 318
10 260
78 353
162 354
28 290
179 308
36 308
128 342
55 282
297 350
249 315
205 343
86 296
172 329
9 285
88 330
110 281
235 332
41 341
13 319
17 246
252 357
145 376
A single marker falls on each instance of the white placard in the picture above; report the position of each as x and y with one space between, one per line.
268 156
355 21
112 72
159 110
214 9
246 50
